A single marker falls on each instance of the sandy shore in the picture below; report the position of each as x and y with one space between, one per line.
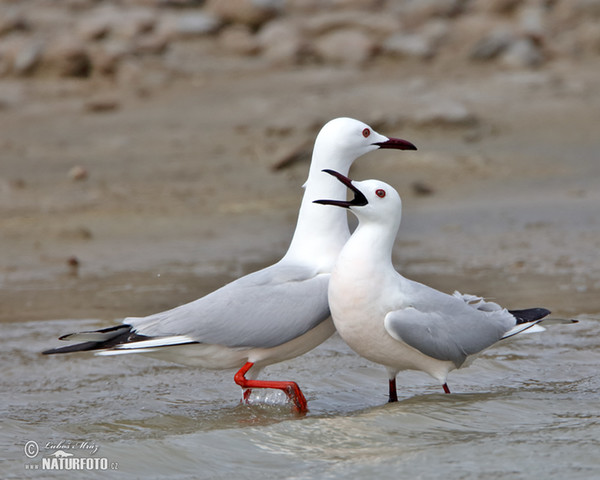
182 191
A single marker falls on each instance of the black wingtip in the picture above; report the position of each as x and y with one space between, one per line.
113 336
78 347
529 314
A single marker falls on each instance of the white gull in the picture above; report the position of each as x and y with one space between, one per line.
397 322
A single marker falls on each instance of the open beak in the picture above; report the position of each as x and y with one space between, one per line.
359 199
396 143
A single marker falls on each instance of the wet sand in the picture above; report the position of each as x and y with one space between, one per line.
181 193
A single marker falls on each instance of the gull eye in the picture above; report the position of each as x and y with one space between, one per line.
380 193
366 132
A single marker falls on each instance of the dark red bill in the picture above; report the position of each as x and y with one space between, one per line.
359 199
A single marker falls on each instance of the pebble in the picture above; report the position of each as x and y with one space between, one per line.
97 105
28 58
238 39
347 46
196 24
409 45
253 13
69 58
522 53
78 173
281 41
492 45
445 113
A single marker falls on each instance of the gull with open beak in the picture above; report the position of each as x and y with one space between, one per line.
397 322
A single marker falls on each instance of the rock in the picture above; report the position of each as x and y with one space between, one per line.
587 37
492 45
98 104
377 25
345 46
151 44
571 10
194 25
408 45
417 12
421 189
11 20
295 154
28 58
523 53
532 21
69 58
107 57
503 7
78 173
73 266
445 113
282 42
136 22
252 13
75 233
94 28
239 39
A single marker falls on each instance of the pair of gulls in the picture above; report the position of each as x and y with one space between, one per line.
286 309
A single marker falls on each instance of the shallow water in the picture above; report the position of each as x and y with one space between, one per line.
527 408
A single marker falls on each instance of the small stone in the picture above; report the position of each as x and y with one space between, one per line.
94 28
150 44
239 39
252 13
28 58
421 189
281 41
445 113
523 53
503 7
11 20
492 45
408 45
531 22
70 58
136 22
98 105
418 12
194 25
345 46
105 58
378 25
76 233
73 265
78 173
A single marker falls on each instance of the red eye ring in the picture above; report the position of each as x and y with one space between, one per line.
380 192
366 132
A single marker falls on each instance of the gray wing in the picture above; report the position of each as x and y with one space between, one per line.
449 336
264 309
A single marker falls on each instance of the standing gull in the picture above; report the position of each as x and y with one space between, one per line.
397 322
268 316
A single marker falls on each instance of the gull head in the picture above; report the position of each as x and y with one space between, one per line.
374 201
348 139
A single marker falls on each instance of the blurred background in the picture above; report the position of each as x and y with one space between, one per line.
153 150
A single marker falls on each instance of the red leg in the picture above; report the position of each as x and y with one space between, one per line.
393 393
246 394
445 387
291 389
